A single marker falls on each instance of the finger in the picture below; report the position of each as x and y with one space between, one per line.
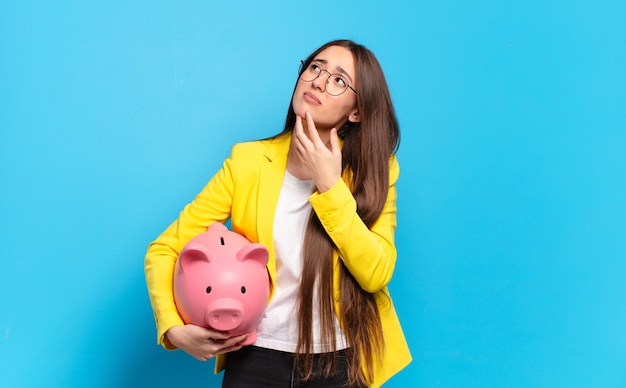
334 141
204 357
231 341
302 140
227 345
298 126
214 336
221 338
240 338
298 129
313 135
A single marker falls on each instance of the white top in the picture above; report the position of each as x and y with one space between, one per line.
279 328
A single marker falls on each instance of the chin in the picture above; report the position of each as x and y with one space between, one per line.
301 110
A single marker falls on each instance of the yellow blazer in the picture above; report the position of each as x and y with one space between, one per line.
246 190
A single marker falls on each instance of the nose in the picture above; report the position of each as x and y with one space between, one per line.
224 314
322 80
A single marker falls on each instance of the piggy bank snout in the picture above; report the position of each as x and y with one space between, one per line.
225 314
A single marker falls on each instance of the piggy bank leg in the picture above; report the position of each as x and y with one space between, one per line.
250 339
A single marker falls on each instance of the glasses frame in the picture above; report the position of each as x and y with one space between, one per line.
303 69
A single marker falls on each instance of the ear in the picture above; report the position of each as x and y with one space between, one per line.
254 251
217 226
193 252
354 116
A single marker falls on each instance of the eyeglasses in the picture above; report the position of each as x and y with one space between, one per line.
336 84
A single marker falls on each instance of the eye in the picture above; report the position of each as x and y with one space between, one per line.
339 81
243 289
208 290
314 68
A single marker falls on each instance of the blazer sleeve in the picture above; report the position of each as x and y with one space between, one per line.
369 254
212 204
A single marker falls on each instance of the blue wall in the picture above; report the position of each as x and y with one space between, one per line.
512 223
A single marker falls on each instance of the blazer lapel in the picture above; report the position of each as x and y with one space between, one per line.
270 182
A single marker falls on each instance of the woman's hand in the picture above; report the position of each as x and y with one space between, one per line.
321 161
201 343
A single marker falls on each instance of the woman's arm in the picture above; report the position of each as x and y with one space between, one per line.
368 253
213 204
201 343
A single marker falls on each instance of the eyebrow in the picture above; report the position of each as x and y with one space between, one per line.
339 68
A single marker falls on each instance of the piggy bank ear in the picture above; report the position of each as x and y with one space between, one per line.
217 226
193 252
254 251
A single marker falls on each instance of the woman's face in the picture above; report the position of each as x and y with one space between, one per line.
328 111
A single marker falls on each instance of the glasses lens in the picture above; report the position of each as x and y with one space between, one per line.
311 72
336 84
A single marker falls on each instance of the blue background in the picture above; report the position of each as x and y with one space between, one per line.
512 208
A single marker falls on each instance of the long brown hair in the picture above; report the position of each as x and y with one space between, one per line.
367 147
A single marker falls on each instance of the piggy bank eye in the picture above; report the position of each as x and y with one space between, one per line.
243 289
208 290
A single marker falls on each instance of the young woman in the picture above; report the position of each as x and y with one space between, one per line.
321 197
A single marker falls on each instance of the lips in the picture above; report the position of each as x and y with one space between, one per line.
311 98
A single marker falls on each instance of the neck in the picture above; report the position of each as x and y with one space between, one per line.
295 166
323 133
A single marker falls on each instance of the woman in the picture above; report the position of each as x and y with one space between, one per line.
321 197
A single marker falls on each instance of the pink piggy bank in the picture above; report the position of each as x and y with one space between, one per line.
221 282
